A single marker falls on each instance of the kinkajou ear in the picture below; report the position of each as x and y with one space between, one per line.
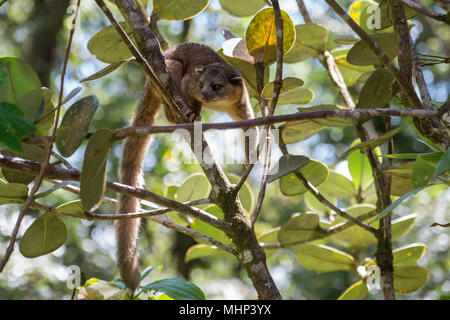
199 71
236 80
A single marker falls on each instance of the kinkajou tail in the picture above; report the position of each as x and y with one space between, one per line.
130 173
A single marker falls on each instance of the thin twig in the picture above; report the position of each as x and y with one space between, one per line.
324 233
149 215
32 167
40 177
304 11
424 10
355 114
408 90
273 103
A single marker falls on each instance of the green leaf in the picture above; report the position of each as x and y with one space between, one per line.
321 258
443 165
287 164
394 204
361 54
401 182
3 76
30 152
350 72
107 70
22 88
338 186
13 193
73 207
359 12
178 9
287 85
310 41
47 118
178 289
147 270
360 169
71 94
75 124
93 175
296 96
377 91
315 172
409 278
209 230
424 169
408 254
354 238
317 206
372 143
356 291
46 234
269 237
107 45
402 225
300 228
261 35
202 251
194 187
13 126
236 8
386 14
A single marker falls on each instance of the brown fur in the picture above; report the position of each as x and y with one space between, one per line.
189 64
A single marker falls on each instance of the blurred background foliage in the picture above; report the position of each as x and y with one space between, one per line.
37 31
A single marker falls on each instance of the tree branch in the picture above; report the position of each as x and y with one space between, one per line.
424 10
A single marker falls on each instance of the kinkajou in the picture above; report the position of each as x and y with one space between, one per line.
206 81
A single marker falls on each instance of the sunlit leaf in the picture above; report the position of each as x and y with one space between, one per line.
202 251
409 278
107 45
22 88
261 35
408 254
178 9
300 228
236 8
13 193
356 291
322 258
315 172
310 42
361 54
176 288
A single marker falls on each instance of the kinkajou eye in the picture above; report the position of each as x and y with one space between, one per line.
200 84
216 87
